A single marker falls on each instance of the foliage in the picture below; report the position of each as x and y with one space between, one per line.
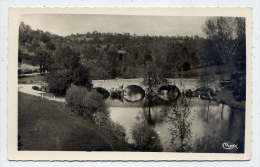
180 129
226 40
111 55
118 130
36 88
116 55
213 141
153 76
90 104
66 70
145 137
116 94
101 119
86 102
227 46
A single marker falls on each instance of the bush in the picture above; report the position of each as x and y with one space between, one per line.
118 130
189 93
36 88
90 104
146 139
205 93
103 120
85 102
116 94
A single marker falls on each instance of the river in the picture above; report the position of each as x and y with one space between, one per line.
211 125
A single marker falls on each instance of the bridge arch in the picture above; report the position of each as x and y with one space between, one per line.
134 93
168 92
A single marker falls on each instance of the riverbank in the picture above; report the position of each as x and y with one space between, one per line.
40 118
226 97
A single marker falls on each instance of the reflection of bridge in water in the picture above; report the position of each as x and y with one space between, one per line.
181 85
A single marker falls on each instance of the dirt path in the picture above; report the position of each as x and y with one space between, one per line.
27 88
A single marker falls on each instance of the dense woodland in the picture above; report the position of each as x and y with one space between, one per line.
79 58
111 55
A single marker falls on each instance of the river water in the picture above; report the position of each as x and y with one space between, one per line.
210 125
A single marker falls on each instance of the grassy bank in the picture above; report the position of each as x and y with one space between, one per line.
49 125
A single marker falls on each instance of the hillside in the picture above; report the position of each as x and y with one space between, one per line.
112 55
61 129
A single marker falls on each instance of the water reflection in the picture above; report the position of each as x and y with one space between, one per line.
207 125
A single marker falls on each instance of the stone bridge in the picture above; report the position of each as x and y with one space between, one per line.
182 84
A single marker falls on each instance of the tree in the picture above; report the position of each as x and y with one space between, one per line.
152 79
24 34
225 36
180 124
96 61
226 45
65 70
42 58
58 81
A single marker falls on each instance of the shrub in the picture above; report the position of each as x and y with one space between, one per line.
205 93
103 120
189 93
85 102
36 88
118 130
146 139
116 94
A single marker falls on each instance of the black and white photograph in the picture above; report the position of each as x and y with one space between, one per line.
131 83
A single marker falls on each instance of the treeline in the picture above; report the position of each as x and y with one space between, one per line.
111 55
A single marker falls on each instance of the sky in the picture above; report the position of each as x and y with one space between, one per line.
66 24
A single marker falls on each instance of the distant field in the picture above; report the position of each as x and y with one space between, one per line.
27 68
49 125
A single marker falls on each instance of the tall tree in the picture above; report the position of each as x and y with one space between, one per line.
224 35
226 45
67 69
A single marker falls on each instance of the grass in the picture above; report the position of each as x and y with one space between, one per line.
49 125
